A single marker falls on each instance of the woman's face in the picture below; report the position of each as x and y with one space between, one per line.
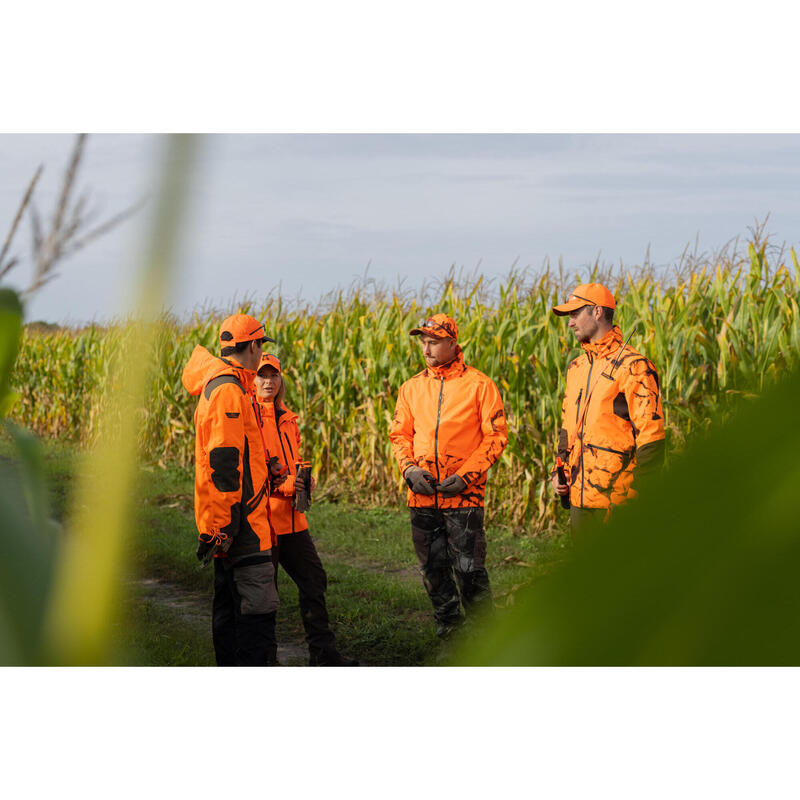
268 383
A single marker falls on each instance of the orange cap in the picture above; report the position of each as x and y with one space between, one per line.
240 328
587 294
439 325
269 360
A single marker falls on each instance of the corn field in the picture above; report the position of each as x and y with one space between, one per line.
716 328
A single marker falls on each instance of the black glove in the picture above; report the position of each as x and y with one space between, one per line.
277 472
419 480
210 543
451 486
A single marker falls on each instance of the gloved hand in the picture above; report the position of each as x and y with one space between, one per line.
419 480
277 472
451 486
211 543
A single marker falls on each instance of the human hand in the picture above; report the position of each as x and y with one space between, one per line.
451 486
419 480
560 488
210 543
277 472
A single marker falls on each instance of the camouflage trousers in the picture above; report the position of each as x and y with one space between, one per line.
452 542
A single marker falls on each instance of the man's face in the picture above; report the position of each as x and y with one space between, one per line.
584 322
251 356
438 351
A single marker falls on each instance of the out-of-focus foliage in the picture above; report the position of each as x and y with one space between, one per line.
715 329
702 570
28 537
58 590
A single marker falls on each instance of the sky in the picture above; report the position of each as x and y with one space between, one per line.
310 213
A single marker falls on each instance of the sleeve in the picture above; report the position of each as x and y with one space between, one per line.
495 434
401 432
287 487
643 394
224 448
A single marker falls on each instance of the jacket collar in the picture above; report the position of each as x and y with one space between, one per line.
246 376
268 409
606 347
452 369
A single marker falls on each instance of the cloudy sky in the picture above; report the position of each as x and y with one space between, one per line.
310 212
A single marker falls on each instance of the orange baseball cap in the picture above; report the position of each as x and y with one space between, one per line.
240 328
587 294
439 325
269 360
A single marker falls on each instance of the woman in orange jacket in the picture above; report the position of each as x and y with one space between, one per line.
295 550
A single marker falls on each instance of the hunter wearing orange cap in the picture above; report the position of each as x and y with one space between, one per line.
294 549
448 428
612 426
231 493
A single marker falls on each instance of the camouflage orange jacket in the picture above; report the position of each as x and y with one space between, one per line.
449 420
612 422
231 487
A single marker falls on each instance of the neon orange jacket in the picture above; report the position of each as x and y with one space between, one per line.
449 420
612 422
282 437
231 486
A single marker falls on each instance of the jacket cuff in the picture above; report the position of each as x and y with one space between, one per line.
287 487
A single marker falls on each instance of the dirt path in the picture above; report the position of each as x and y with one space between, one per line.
194 610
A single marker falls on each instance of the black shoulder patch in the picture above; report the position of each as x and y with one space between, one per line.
215 382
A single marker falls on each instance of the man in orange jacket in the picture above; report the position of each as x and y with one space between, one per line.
448 428
231 496
612 428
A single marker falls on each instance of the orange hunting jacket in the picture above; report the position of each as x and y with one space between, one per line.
449 420
282 437
231 486
612 422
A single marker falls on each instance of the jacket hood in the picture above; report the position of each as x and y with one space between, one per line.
452 369
609 345
202 366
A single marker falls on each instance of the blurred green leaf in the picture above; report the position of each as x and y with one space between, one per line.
28 541
10 332
702 570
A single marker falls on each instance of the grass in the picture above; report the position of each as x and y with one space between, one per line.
378 607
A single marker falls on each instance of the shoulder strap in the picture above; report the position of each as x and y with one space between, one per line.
215 382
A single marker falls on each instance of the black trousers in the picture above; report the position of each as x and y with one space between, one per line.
243 610
295 552
452 542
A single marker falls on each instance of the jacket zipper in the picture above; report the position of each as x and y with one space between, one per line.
578 409
436 442
583 421
283 450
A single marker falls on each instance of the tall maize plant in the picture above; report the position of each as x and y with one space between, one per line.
715 331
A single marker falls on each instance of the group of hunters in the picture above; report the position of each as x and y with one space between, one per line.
448 429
